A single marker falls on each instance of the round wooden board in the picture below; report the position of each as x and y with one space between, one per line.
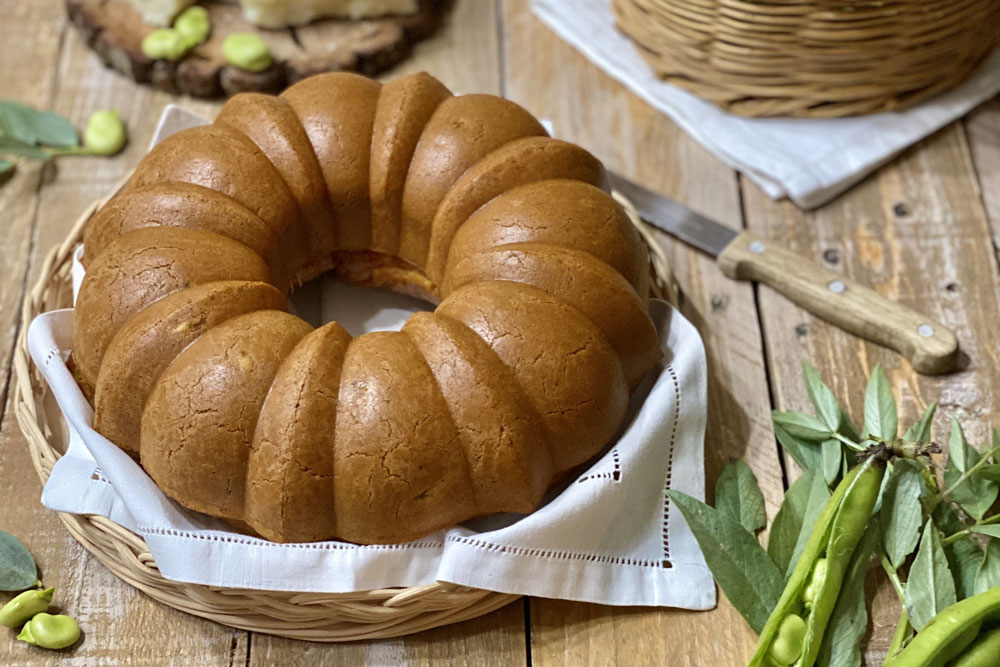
114 30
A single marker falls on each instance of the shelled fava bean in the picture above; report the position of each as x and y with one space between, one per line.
29 610
50 631
24 606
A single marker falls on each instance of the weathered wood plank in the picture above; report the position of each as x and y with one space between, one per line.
917 233
30 39
554 81
982 128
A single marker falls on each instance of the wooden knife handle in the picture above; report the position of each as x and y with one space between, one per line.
930 346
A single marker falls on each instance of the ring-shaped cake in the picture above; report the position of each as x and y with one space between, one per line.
240 410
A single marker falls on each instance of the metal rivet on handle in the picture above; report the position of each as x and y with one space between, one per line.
925 330
756 247
837 287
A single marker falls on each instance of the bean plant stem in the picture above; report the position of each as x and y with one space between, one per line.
902 632
893 577
68 150
955 537
847 441
968 473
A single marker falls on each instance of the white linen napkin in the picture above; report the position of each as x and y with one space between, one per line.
609 536
807 160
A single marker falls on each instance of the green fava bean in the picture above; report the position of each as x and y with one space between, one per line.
50 631
105 133
815 584
984 652
164 44
247 51
787 646
193 25
24 606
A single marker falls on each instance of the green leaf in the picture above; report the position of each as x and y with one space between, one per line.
14 122
988 575
921 431
741 567
819 493
826 403
964 555
846 628
958 447
992 530
901 514
5 166
976 494
832 456
10 146
880 407
787 522
930 586
17 567
847 428
738 495
805 453
31 126
801 425
990 471
54 130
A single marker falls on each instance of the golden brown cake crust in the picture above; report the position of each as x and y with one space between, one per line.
460 132
338 113
515 163
290 473
404 107
503 435
142 267
199 419
578 279
569 213
150 342
221 159
560 358
401 473
182 205
271 123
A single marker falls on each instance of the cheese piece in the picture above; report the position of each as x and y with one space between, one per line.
283 13
160 12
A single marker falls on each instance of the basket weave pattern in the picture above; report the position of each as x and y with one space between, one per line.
819 58
322 617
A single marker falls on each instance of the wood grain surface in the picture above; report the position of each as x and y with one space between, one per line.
923 231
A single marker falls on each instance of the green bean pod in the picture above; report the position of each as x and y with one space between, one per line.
984 652
838 530
950 632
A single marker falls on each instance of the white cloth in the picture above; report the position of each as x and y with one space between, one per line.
609 536
809 161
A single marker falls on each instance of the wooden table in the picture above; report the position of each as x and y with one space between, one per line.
922 231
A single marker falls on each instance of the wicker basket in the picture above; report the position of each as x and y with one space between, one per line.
322 617
819 58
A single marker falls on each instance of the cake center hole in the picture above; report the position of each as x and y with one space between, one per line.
359 300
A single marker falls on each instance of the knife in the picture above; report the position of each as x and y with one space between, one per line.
929 345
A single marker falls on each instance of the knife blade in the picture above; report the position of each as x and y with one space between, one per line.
930 346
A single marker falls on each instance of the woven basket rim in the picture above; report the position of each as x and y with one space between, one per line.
319 617
818 58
